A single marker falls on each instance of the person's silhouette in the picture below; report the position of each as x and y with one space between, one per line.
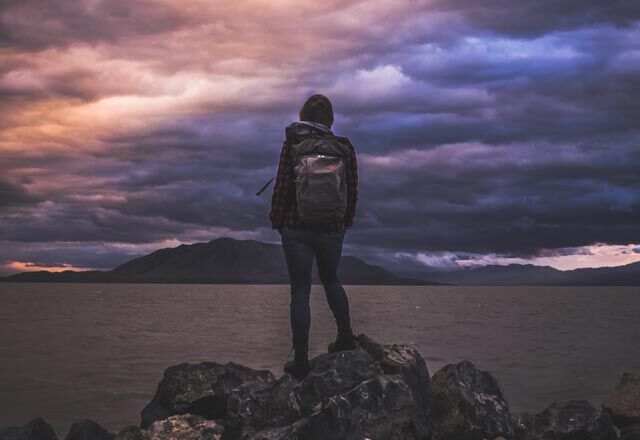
304 240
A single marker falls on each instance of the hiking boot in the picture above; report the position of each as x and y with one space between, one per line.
299 366
345 338
344 341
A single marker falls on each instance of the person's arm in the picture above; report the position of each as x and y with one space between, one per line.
279 198
352 188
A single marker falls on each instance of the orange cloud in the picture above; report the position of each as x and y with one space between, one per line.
27 266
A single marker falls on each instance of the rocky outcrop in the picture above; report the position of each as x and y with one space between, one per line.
522 425
572 420
200 389
36 429
87 429
375 391
623 403
468 403
177 427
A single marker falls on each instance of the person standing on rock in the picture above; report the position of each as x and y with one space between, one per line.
312 205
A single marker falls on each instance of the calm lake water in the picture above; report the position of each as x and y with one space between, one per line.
71 351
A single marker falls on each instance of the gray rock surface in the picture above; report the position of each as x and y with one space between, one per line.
374 391
87 429
176 427
200 389
623 403
572 420
522 424
36 429
468 404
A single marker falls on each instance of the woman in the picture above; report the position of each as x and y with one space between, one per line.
302 241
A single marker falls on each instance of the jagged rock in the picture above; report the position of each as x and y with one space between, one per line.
405 361
36 429
200 389
468 404
185 427
177 427
378 408
623 403
630 432
408 363
346 395
87 429
335 373
522 424
572 420
254 406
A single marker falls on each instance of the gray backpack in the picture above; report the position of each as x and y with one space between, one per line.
320 167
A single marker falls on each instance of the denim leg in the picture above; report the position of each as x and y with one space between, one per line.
328 249
299 258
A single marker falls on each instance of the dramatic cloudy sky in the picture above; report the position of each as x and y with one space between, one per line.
487 131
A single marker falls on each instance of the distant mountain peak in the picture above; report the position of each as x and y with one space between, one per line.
221 260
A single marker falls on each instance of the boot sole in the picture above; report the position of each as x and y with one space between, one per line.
298 374
332 349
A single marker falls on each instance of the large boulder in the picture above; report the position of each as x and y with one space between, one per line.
346 395
572 420
36 429
177 427
200 389
332 374
378 408
468 404
254 406
623 403
405 361
87 429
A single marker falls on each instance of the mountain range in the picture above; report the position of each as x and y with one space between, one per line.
223 260
226 260
521 274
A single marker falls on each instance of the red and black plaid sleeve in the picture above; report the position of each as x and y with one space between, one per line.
352 188
280 196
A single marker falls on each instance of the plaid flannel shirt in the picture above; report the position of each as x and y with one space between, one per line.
283 200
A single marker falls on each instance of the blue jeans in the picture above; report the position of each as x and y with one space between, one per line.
300 246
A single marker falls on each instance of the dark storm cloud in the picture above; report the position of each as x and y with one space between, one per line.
533 18
503 207
481 127
38 24
15 193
